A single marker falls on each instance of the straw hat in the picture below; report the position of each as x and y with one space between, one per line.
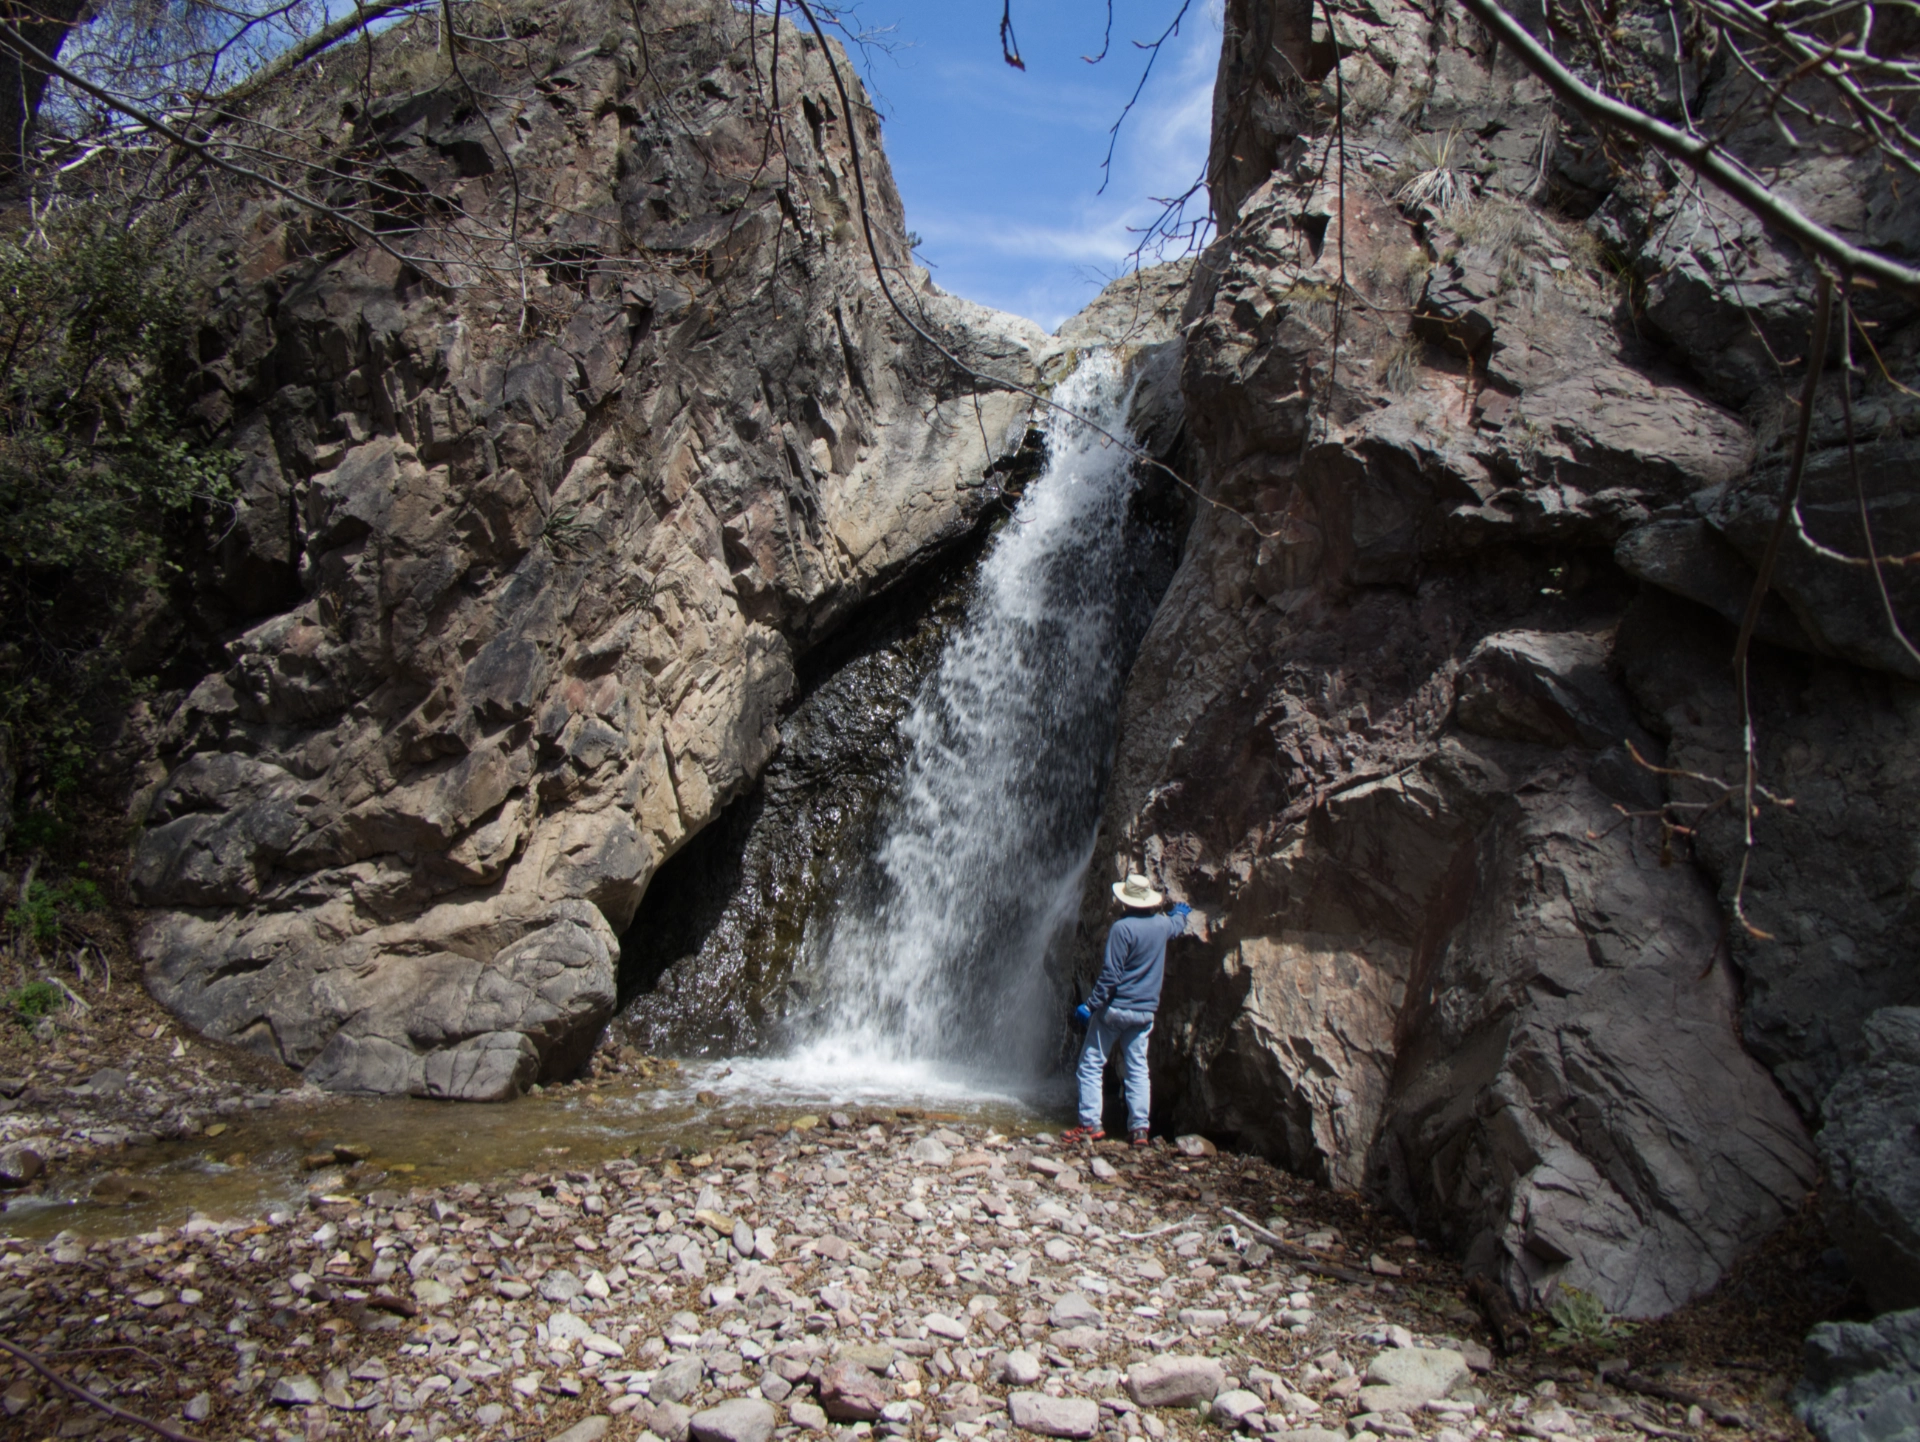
1137 891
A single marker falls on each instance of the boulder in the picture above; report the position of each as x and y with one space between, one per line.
1871 1148
1862 1380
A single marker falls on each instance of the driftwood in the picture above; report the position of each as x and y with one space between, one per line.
1667 1392
1296 1253
165 1429
1510 1331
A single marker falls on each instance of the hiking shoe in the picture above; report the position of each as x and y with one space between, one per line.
1081 1134
1140 1138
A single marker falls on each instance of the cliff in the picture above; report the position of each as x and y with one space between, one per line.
525 561
1492 429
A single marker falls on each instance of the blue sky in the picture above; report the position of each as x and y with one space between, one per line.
1000 168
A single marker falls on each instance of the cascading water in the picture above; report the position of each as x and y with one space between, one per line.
933 970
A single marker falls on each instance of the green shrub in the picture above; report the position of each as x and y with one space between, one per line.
44 908
28 1004
103 481
1582 1320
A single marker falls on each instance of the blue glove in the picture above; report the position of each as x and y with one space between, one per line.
1182 909
1081 1017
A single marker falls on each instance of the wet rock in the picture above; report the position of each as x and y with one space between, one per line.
1862 1380
743 1419
20 1165
1054 1416
1177 1381
1873 1163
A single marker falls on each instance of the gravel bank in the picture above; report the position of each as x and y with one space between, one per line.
912 1277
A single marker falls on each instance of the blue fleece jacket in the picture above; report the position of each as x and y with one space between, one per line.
1136 963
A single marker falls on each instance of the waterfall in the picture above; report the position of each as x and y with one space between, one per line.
932 971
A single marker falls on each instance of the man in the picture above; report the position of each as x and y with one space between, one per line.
1118 1015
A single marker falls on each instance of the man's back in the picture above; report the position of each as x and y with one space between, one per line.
1136 963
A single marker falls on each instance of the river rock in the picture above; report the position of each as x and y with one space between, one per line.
505 622
1177 1381
1020 1368
1873 1162
678 1380
1236 1407
1862 1381
929 1152
590 1430
1429 1372
1072 1309
20 1165
850 1393
1054 1416
742 1419
297 1390
671 1420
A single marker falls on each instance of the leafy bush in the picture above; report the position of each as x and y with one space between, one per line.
102 480
28 1004
43 908
1582 1320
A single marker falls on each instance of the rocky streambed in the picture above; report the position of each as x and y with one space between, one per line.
881 1273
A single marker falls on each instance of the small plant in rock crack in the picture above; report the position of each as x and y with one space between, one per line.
1439 178
1581 1320
565 531
1399 366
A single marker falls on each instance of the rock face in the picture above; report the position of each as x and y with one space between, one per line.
1869 1146
1863 1380
1474 538
514 603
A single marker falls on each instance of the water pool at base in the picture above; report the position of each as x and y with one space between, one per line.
257 1161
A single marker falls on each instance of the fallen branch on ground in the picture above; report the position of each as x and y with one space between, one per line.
165 1429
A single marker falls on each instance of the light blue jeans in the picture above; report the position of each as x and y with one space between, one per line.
1125 1032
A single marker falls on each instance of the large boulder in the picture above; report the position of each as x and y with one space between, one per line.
1871 1147
520 576
1862 1380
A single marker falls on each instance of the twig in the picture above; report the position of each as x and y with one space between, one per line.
1294 1251
1667 1392
1158 1231
165 1429
1816 363
1132 448
1700 155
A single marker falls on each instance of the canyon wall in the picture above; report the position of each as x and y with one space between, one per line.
523 565
1436 723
